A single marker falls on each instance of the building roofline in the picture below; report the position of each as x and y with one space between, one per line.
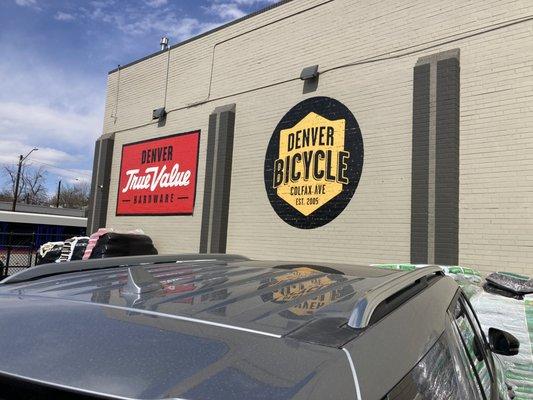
46 219
41 209
201 35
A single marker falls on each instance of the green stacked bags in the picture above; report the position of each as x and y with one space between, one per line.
402 267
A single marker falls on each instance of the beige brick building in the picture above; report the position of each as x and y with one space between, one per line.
442 93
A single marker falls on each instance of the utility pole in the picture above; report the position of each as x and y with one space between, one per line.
58 193
16 194
17 181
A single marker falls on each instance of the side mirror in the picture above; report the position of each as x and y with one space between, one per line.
503 343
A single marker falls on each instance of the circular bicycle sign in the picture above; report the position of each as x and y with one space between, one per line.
313 162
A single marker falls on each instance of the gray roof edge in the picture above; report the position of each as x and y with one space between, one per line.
36 209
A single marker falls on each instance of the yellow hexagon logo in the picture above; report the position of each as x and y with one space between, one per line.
312 163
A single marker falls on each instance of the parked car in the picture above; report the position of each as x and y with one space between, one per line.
226 327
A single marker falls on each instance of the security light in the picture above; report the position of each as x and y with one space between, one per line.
309 73
159 113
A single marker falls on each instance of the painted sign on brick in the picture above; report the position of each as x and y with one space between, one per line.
313 162
158 176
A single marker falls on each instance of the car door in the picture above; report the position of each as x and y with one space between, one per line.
474 350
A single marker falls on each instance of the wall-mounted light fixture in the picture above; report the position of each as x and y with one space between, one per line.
309 73
310 77
159 113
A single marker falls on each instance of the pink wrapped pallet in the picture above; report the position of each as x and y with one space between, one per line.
92 241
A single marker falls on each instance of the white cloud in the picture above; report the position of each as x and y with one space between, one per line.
26 3
72 176
226 11
254 2
63 16
45 122
46 155
156 3
245 3
29 79
161 21
151 17
45 106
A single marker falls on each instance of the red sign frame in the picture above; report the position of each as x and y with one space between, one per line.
158 176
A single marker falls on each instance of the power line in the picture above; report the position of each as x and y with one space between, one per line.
61 168
390 55
418 48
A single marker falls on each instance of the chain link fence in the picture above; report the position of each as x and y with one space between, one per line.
18 251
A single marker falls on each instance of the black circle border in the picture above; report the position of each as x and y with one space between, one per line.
331 109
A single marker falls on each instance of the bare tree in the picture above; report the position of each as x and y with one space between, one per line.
32 188
9 171
6 195
73 196
32 184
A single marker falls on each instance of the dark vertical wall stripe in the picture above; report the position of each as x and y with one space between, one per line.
206 208
420 164
92 200
447 163
222 182
104 178
100 183
213 237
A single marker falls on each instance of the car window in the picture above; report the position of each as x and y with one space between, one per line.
473 350
439 375
464 358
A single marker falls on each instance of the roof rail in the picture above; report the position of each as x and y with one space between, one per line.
367 304
43 270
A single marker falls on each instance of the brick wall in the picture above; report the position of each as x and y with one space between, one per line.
496 113
496 185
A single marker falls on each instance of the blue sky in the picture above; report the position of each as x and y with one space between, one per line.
54 59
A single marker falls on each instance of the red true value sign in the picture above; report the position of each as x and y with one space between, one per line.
158 176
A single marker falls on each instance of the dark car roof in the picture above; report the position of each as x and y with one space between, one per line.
264 296
215 328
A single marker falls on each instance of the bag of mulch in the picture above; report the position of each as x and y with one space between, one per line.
511 284
79 249
463 274
515 317
50 256
493 289
48 253
92 241
114 244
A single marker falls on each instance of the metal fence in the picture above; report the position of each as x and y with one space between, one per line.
19 250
